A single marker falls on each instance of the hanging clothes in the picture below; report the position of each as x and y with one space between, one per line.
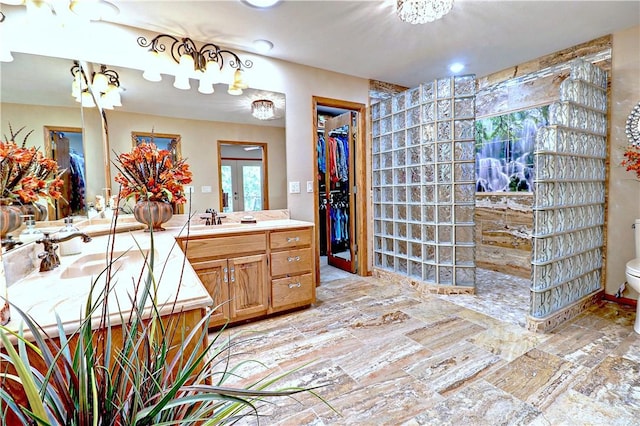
322 154
77 181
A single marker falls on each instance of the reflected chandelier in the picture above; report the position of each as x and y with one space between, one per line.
105 85
262 109
422 11
205 63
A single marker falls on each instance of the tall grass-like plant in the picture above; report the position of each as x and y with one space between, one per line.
128 373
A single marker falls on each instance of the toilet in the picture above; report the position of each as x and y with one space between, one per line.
633 272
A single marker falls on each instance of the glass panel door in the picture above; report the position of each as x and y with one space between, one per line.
242 180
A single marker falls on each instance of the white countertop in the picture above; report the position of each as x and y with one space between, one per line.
64 291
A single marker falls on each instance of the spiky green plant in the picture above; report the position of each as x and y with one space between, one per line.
128 373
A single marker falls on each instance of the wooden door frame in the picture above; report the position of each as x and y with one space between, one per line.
265 169
52 213
362 199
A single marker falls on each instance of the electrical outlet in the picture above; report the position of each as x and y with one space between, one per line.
309 186
294 187
205 189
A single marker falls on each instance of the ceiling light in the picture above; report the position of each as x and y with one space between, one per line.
422 11
262 4
262 109
105 86
456 67
262 46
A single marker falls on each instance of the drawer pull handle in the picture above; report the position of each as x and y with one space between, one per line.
233 275
291 259
292 285
293 239
224 275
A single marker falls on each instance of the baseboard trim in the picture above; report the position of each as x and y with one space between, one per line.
621 300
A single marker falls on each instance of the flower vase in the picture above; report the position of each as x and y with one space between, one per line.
10 217
153 214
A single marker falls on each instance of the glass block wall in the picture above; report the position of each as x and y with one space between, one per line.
569 188
424 182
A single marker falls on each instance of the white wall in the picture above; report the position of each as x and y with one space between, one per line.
624 189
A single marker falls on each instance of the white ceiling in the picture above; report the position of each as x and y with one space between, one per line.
360 38
366 39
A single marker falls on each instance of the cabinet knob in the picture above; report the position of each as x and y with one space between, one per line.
297 285
293 239
291 259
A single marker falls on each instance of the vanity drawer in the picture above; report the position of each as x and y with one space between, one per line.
291 262
294 238
292 292
226 246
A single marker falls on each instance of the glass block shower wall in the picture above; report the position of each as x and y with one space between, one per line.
424 182
569 188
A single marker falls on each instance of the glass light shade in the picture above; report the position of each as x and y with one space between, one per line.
262 109
38 11
238 81
212 72
86 100
234 90
187 65
113 95
205 87
75 89
5 54
422 11
151 75
105 102
181 82
100 82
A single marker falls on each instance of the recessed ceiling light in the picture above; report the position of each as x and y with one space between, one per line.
262 46
456 67
262 4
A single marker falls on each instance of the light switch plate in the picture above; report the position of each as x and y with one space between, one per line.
205 189
294 187
309 186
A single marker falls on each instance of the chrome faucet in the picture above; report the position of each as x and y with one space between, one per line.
212 220
50 259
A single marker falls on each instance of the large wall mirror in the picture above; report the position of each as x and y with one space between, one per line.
35 91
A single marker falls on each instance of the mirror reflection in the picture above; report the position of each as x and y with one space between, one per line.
36 92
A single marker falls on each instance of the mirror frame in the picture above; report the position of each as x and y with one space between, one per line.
265 170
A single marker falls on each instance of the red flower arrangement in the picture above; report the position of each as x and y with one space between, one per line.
632 159
152 175
25 174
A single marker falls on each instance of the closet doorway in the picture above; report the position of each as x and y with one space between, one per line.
65 145
340 184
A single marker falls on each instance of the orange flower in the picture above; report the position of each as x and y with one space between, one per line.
632 160
151 174
25 174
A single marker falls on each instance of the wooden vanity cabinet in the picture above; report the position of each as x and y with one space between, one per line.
249 275
292 269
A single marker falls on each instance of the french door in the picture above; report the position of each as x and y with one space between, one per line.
242 185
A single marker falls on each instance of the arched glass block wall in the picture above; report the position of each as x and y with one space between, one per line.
569 198
424 182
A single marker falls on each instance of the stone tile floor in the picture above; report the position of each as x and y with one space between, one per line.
386 355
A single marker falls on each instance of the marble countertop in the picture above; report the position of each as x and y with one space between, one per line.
64 291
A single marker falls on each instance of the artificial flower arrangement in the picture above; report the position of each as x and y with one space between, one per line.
632 159
26 174
152 175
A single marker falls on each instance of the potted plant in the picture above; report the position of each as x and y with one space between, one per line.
25 176
132 376
155 179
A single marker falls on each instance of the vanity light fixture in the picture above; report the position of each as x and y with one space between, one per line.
106 82
422 11
206 63
262 109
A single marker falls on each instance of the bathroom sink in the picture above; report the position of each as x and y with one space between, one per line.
95 263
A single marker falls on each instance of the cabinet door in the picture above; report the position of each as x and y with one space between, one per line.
248 289
214 276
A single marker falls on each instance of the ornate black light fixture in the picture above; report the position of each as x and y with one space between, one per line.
105 85
205 63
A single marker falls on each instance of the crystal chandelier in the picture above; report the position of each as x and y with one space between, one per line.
262 109
421 11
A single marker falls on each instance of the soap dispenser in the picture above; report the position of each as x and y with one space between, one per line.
30 233
72 246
